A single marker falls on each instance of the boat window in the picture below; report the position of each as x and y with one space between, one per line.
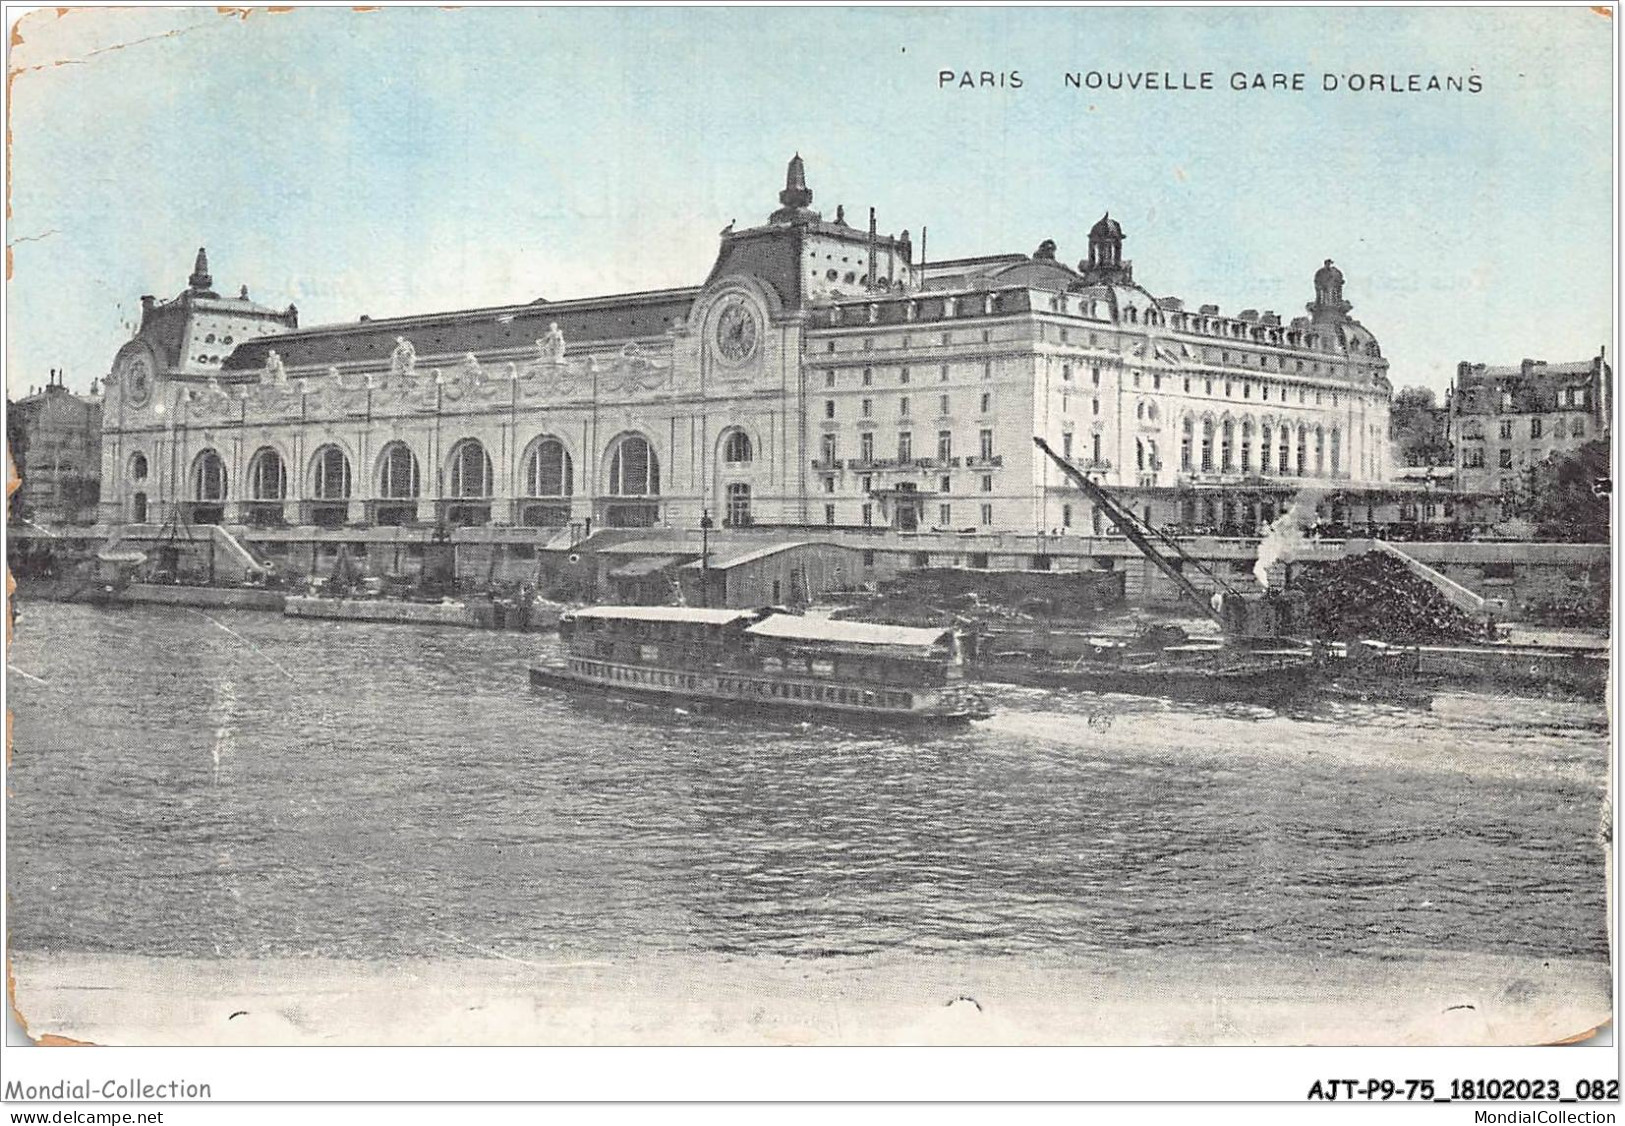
772 664
649 652
824 668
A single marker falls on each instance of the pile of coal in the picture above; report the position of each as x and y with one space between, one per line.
1374 596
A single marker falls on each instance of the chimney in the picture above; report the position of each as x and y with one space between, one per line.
871 281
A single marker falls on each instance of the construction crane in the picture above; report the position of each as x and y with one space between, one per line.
1141 534
1241 616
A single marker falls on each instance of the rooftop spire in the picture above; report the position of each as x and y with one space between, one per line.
795 193
200 278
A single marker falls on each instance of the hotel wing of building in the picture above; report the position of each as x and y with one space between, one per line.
820 376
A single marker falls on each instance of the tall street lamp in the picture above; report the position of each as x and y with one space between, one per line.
705 556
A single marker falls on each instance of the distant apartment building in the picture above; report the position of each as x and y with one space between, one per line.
1507 420
56 445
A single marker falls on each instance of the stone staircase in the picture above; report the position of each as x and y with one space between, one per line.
1458 596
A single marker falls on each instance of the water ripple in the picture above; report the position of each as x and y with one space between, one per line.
405 794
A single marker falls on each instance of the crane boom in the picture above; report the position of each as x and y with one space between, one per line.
1131 527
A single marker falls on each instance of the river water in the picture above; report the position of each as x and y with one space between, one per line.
234 784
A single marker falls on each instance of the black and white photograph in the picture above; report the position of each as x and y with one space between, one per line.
836 526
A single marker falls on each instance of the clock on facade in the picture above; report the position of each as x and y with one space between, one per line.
736 332
138 379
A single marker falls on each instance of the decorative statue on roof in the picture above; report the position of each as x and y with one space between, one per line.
551 348
404 360
276 372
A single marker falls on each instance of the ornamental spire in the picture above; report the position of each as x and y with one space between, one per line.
200 278
795 193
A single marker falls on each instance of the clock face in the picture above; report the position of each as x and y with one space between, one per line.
737 333
138 379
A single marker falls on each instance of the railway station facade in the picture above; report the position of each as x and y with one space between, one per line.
820 376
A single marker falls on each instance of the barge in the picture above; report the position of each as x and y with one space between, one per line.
715 659
1207 672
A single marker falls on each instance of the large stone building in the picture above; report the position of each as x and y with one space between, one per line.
1507 420
56 447
819 376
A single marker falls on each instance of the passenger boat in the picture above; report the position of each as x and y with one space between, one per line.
763 659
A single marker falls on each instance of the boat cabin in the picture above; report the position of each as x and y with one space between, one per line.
765 642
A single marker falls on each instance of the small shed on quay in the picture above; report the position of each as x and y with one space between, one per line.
642 572
771 574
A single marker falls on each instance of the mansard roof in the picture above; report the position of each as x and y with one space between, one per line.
1538 368
585 321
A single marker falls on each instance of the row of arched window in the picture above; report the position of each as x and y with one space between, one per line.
1318 449
634 471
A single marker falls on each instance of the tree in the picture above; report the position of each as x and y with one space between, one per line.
1566 503
1416 425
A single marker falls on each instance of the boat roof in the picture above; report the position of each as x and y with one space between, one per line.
692 614
792 628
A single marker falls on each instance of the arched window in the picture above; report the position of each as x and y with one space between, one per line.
267 476
1247 446
738 504
208 478
736 448
470 470
1320 451
1227 445
138 468
548 470
399 486
634 471
1284 465
1303 451
1337 450
1207 445
330 474
1139 454
634 474
1185 435
398 473
1264 448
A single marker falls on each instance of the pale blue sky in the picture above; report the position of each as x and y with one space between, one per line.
413 160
